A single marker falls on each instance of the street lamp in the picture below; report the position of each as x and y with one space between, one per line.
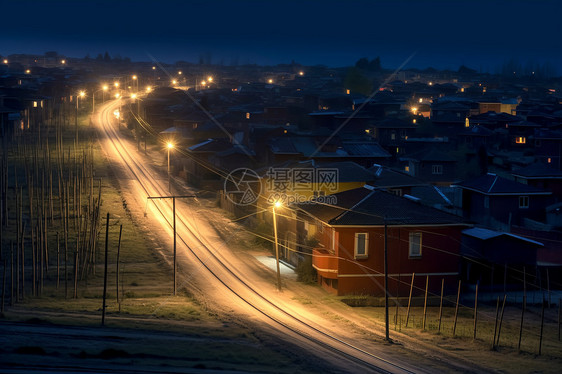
276 205
169 146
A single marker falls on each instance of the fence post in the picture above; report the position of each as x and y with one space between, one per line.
441 304
457 308
425 301
475 310
410 299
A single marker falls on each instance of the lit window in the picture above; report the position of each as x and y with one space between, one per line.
415 244
35 104
247 115
407 169
361 245
466 122
437 169
414 121
549 160
520 140
523 202
347 92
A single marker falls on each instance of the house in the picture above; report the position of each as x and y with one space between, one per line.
392 133
548 147
493 200
431 166
352 232
541 176
477 136
495 257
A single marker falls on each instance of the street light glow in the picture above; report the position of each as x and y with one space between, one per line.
203 83
27 71
270 81
117 96
5 61
116 84
174 82
82 93
134 96
210 79
277 204
105 87
170 145
134 77
148 88
179 72
63 62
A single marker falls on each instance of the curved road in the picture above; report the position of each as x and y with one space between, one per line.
218 277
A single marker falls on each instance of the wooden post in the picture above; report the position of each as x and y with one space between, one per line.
105 272
496 325
501 320
475 310
117 267
441 304
457 308
523 305
559 302
4 285
410 299
58 260
542 327
548 287
425 302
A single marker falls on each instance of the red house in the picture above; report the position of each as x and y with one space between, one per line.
350 237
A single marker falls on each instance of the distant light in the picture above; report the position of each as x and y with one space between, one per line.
210 79
179 72
367 131
105 87
134 77
462 89
117 96
133 96
154 68
27 71
301 73
430 83
5 61
63 62
82 93
174 82
270 81
414 110
414 121
420 100
116 84
347 92
203 83
148 88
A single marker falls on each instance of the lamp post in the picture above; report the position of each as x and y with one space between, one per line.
276 205
169 146
103 89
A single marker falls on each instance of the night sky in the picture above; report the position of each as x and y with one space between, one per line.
442 33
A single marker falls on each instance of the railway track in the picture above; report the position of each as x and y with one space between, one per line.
265 307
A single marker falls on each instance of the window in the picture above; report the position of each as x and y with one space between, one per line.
407 168
393 135
520 140
396 191
415 244
437 169
361 245
523 202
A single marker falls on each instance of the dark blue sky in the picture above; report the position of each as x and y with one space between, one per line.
445 33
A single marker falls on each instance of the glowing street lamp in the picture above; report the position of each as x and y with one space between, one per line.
170 146
116 84
148 89
27 71
63 62
210 79
203 83
277 204
174 82
5 61
133 96
270 81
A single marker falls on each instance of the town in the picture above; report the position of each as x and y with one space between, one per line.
362 180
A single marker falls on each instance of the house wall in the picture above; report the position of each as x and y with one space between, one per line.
439 259
500 207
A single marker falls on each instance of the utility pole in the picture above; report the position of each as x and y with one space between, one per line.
386 280
276 245
173 225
